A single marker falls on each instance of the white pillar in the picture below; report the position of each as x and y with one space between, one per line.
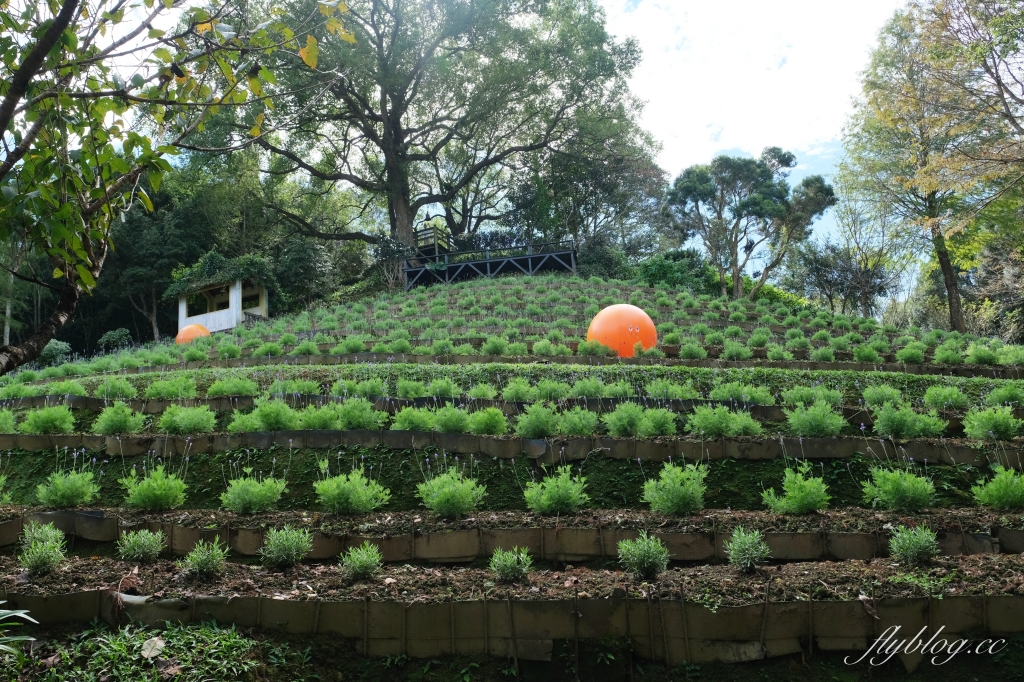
235 301
182 311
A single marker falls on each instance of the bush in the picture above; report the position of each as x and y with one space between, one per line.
994 423
537 421
207 559
482 392
979 354
618 389
494 345
1007 394
645 557
558 494
511 566
625 420
879 395
268 350
865 353
285 547
20 391
68 387
1005 490
718 422
118 418
55 419
351 493
663 389
115 388
736 351
413 419
171 389
898 490
819 420
115 338
363 562
195 355
948 355
577 422
777 353
801 495
227 351
552 390
7 422
307 347
410 390
42 549
746 549
913 546
55 353
276 415
155 491
249 495
945 398
519 390
823 355
691 351
443 388
808 395
912 353
902 422
594 349
140 545
187 420
737 392
450 494
678 489
64 489
314 418
295 387
489 421
449 419
232 386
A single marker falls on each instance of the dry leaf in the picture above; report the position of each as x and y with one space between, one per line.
152 647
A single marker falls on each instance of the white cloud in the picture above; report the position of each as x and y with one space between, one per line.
741 75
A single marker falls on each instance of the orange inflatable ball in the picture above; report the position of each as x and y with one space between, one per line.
620 326
190 333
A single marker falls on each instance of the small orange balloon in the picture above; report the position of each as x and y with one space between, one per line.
620 326
190 333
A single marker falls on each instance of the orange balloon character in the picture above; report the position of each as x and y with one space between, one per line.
621 326
190 333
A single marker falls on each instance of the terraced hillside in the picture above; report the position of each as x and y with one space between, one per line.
785 464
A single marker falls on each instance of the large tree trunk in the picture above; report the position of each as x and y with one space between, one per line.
956 312
737 283
402 217
12 357
7 308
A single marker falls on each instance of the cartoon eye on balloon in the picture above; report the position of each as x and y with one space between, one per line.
618 327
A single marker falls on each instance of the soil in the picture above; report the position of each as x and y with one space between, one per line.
989 574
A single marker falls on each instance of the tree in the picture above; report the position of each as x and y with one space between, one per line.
424 97
95 98
736 205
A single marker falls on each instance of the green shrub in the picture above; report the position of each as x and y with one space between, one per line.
227 351
819 420
450 494
913 546
945 398
115 388
511 566
118 418
734 391
482 392
714 339
182 421
276 415
55 353
195 355
285 547
42 549
494 345
68 387
759 339
801 494
839 344
717 422
307 347
443 387
7 421
691 351
65 489
519 390
489 421
171 389
206 560
875 396
288 339
678 489
912 353
294 387
516 350
248 495
657 422
618 389
363 562
746 549
353 493
777 353
54 419
979 354
808 395
898 490
577 422
548 389
413 419
823 355
1004 491
143 546
11 391
268 350
410 390
232 386
587 387
558 494
663 389
1007 394
625 420
892 421
994 423
311 418
157 490
736 351
948 354
645 557
450 419
537 421
866 354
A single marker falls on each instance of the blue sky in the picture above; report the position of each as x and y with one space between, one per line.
736 76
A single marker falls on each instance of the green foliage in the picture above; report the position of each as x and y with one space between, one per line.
482 392
249 495
994 423
351 493
294 387
823 355
625 420
1006 394
678 489
11 391
450 419
880 395
142 546
494 345
645 557
913 546
7 421
663 389
65 489
948 354
736 351
68 387
735 391
945 398
118 418
42 549
746 549
409 389
269 349
413 419
898 490
577 422
450 494
808 395
691 351
980 354
115 388
558 494
443 387
519 389
901 421
195 355
182 421
819 420
801 494
489 421
54 419
1004 491
232 386
285 547
864 353
537 421
595 349
206 560
157 490
912 353
363 562
55 353
511 566
717 422
171 389
275 415
228 351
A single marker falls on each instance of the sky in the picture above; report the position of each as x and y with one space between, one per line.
736 76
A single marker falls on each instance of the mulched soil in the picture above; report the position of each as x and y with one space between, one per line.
714 585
